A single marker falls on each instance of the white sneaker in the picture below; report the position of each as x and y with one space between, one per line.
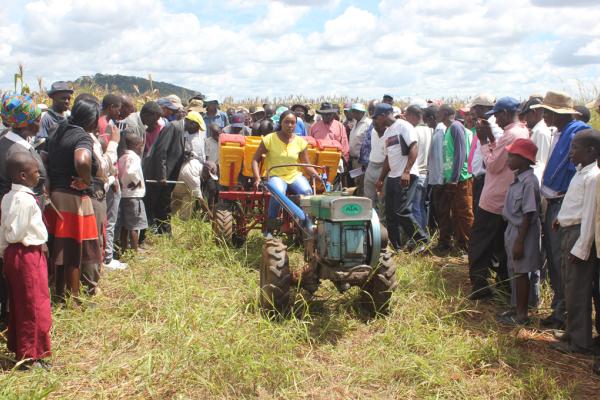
115 265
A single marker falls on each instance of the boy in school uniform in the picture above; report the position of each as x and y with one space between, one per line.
576 219
132 212
23 236
523 231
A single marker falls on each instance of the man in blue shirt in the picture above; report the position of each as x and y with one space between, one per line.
214 115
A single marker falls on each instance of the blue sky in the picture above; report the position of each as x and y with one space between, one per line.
249 48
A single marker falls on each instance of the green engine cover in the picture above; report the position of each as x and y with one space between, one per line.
340 208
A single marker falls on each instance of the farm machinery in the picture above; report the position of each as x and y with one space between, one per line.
240 208
344 242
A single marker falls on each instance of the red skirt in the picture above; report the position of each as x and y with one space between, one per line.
74 235
30 317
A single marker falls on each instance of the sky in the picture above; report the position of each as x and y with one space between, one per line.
250 48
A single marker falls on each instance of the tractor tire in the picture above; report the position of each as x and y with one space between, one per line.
378 289
275 278
223 224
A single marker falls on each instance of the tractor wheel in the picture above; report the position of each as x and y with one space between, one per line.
379 287
275 278
223 224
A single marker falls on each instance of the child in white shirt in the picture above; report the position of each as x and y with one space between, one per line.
132 213
23 237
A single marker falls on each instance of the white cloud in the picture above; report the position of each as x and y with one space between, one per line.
407 47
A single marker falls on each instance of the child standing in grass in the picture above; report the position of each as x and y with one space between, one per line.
132 210
523 230
576 219
23 237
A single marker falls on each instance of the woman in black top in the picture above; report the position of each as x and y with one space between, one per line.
72 224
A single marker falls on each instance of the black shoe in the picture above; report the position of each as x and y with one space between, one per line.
569 348
552 323
480 294
442 248
512 320
596 367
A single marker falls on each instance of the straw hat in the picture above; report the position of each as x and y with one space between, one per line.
558 102
196 105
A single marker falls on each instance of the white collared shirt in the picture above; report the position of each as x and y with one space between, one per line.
579 207
21 220
424 135
357 135
541 135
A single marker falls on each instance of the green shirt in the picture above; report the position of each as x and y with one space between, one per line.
457 141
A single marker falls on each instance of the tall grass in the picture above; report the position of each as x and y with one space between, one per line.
183 323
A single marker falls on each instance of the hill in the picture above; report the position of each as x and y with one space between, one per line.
128 84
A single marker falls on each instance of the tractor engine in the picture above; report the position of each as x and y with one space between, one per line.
343 229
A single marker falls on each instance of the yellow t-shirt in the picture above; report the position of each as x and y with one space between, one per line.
279 153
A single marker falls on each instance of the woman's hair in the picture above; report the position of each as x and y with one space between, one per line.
85 113
284 115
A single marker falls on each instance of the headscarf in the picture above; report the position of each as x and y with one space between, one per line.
18 111
278 112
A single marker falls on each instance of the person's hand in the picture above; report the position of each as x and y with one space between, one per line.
162 182
575 259
518 250
115 134
405 179
134 185
78 183
256 184
379 185
555 225
484 131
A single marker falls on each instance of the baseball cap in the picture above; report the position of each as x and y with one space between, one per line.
237 120
196 117
504 104
358 107
382 108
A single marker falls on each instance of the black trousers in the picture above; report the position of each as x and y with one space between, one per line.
477 189
398 211
487 244
158 207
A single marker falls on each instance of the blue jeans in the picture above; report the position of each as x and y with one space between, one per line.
420 205
299 186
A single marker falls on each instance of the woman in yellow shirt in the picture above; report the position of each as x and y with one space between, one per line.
283 147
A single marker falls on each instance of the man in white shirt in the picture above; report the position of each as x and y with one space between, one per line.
401 151
541 134
420 205
357 134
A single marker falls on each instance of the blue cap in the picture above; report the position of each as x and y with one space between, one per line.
382 108
504 104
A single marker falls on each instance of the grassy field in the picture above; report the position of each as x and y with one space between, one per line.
182 323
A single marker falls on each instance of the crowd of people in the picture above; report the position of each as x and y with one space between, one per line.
510 185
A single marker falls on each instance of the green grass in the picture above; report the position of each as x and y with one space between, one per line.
182 323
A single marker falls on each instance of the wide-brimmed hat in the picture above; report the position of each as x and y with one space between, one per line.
524 148
58 87
196 105
483 99
302 106
256 110
175 100
594 104
557 102
358 107
327 108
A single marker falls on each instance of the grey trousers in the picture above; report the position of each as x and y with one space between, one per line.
552 245
113 199
578 279
370 179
